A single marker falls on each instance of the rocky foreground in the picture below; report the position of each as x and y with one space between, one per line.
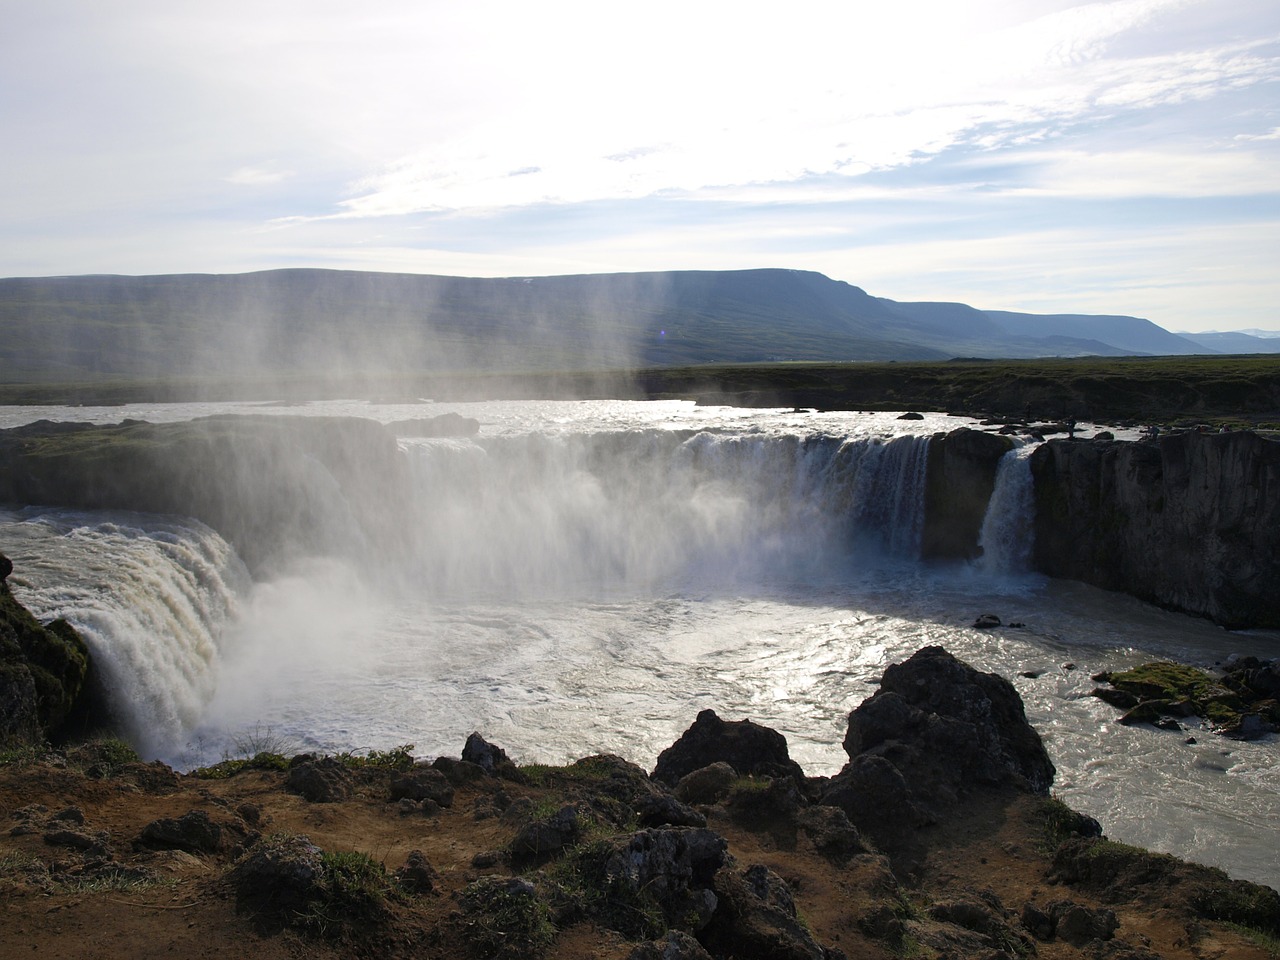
938 839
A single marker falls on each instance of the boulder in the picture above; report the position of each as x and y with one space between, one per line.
549 835
417 875
279 875
706 784
756 917
490 758
751 749
193 832
936 732
322 780
422 783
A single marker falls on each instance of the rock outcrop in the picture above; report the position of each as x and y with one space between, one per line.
935 733
960 479
1190 522
747 747
270 485
44 671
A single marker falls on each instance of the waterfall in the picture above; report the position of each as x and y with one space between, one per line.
150 595
530 514
1007 534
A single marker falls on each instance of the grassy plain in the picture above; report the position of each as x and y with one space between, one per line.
1240 390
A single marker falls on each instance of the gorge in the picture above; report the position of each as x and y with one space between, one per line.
577 574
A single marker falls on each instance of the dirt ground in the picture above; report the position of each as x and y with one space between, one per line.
190 910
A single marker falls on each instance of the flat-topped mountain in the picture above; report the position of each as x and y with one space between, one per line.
339 322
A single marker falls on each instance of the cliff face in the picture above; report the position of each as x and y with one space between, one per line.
961 477
44 671
269 485
1190 522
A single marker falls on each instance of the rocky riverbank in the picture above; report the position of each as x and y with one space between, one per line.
938 839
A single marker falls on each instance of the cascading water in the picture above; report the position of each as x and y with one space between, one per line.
1007 531
150 595
584 578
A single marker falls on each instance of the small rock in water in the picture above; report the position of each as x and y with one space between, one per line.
986 621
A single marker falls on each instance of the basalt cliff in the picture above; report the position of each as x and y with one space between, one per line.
1189 521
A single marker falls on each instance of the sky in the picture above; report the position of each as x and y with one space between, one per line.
1117 157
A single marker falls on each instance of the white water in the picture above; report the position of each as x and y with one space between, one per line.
591 575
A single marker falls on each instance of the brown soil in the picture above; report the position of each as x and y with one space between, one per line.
996 848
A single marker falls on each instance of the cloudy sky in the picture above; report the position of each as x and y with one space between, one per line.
1112 157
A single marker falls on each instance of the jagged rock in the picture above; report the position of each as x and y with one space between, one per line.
756 917
707 784
751 749
458 771
490 758
960 478
661 809
549 835
321 781
279 875
1205 504
676 945
193 832
831 833
417 875
422 783
44 674
775 803
934 732
1077 925
672 867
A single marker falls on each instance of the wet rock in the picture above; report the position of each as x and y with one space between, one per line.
911 415
320 781
193 832
986 621
751 749
422 783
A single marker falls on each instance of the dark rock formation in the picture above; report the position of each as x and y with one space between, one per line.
748 747
961 476
322 780
422 783
44 673
756 917
1190 522
490 758
934 733
193 832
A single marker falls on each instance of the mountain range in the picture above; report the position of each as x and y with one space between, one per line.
310 321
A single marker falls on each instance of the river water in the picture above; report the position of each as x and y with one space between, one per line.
590 575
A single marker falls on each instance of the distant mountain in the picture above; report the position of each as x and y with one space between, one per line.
1234 342
308 322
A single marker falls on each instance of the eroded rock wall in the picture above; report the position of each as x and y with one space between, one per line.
961 477
1190 522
